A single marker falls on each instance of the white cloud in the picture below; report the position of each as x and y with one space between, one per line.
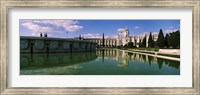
38 34
68 25
148 33
170 30
36 28
136 27
145 33
34 34
89 35
36 21
115 36
107 37
154 33
120 29
73 28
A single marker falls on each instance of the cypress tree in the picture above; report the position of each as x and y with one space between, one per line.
150 42
174 39
160 41
40 34
167 40
103 40
135 42
140 43
153 42
177 39
171 40
144 41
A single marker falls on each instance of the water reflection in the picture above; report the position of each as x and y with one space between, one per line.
101 62
42 60
126 57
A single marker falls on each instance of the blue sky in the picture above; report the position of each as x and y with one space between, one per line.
94 28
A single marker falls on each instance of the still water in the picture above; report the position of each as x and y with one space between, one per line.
100 62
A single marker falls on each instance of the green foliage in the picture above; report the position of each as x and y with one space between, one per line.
167 40
171 40
103 40
160 41
119 47
174 39
148 49
150 42
125 46
140 43
144 42
154 44
130 44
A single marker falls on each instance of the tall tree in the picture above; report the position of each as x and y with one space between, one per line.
135 42
153 42
130 44
150 42
167 40
174 39
103 40
140 43
144 41
171 40
40 34
160 41
177 39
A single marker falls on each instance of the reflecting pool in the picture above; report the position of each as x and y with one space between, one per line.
100 62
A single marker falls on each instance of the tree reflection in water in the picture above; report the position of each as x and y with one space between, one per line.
125 57
149 59
101 62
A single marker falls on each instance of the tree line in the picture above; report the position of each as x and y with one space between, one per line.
170 40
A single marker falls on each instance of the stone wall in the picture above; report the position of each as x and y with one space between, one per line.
108 42
54 45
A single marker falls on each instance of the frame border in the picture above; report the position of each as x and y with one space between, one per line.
5 5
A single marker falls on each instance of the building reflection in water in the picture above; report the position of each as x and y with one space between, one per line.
85 62
124 58
41 60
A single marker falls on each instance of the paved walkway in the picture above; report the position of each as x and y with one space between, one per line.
154 55
155 52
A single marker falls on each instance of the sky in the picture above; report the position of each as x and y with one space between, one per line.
59 28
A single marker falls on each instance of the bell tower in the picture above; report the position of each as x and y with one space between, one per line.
126 32
125 38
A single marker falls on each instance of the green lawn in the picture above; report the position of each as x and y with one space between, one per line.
147 49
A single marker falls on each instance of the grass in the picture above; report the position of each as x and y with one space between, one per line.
147 49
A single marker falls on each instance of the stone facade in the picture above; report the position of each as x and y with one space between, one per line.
122 39
42 44
108 42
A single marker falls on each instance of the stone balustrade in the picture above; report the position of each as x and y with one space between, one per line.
54 45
